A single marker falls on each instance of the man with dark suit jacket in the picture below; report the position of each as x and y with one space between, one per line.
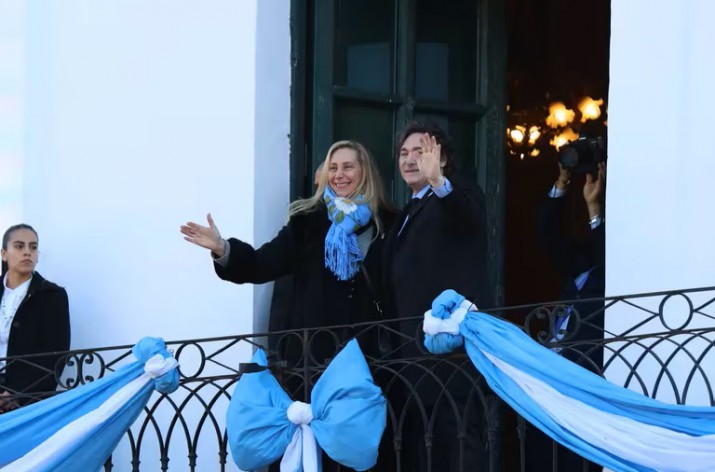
438 243
581 263
579 325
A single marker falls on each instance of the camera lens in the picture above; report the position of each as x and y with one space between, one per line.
568 157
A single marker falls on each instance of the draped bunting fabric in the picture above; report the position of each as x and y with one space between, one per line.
608 424
346 418
78 429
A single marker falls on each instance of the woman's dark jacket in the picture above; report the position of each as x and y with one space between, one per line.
41 324
318 298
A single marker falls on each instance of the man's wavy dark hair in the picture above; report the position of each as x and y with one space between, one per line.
443 139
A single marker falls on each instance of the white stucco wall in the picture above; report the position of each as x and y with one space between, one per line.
139 116
12 109
660 228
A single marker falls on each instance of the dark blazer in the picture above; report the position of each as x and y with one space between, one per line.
41 324
442 246
281 300
571 257
317 297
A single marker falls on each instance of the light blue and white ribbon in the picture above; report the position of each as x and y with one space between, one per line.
608 424
77 430
346 418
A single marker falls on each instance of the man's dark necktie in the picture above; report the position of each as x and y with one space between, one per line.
408 212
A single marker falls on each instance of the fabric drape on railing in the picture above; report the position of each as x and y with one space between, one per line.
78 429
608 424
346 418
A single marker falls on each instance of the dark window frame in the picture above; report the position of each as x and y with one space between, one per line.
313 95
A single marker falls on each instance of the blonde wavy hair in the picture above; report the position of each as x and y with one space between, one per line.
370 186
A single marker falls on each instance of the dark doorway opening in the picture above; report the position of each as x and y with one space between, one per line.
558 52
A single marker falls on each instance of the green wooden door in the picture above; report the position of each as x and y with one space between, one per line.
370 66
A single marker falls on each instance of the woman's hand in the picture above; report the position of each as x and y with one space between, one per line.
203 236
430 161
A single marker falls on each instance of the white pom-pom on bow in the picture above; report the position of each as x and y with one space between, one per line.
159 365
303 448
433 325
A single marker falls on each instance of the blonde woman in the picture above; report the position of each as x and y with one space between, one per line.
332 245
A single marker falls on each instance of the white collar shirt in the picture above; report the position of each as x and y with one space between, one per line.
11 300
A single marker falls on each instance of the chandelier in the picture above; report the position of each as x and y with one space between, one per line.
530 130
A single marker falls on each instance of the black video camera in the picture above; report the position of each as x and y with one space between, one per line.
583 155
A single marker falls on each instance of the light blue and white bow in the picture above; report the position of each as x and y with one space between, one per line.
608 424
77 430
346 418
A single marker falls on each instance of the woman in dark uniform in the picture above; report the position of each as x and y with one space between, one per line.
34 318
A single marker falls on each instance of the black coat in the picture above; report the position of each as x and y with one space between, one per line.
442 246
318 298
571 256
41 324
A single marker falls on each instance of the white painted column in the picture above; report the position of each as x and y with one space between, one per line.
660 202
272 148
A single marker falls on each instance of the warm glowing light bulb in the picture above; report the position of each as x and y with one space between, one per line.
590 109
534 134
517 134
566 136
559 115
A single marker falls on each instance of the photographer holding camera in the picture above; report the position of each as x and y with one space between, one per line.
581 263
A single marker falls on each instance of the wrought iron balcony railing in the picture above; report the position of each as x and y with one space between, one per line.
659 344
